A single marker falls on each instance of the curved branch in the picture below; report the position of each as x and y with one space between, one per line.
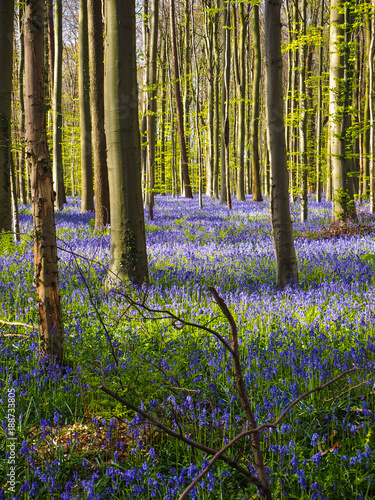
257 430
210 451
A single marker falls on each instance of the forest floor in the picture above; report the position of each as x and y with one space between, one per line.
74 441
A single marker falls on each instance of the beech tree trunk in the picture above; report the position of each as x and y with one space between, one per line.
286 262
58 178
303 114
99 145
21 96
319 111
225 195
180 114
45 249
342 204
240 65
87 184
128 258
152 104
371 109
6 68
255 115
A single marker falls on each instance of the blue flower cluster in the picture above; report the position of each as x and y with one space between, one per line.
290 342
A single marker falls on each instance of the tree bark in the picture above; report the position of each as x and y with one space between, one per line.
99 145
45 248
58 178
286 262
303 113
21 96
225 195
87 185
319 111
255 115
152 104
128 258
180 114
6 68
240 65
51 45
371 109
342 204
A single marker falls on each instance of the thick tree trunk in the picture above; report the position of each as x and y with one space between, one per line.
6 68
128 258
286 262
180 114
58 178
87 184
255 115
99 145
45 248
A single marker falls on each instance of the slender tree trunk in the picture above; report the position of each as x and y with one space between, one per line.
180 114
343 205
87 184
197 111
209 31
303 114
371 108
51 44
225 196
6 67
255 115
146 72
152 105
99 145
128 258
319 111
187 75
293 133
163 115
336 75
240 50
286 262
58 178
217 75
16 219
366 128
21 93
45 248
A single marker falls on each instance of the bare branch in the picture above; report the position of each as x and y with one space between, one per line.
15 323
258 429
210 451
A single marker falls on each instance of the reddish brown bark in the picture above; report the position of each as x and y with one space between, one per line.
45 248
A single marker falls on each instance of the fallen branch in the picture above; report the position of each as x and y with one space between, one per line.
258 429
16 323
210 451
